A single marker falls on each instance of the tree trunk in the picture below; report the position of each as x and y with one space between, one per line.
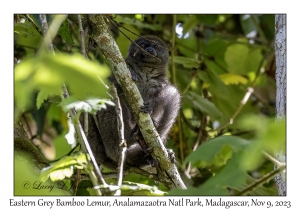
280 52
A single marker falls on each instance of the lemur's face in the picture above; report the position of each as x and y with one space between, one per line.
154 50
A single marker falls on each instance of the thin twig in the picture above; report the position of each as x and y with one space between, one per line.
81 31
123 144
260 31
83 51
245 98
201 136
261 181
279 164
132 41
181 154
34 25
117 25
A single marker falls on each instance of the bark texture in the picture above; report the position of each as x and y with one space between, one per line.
280 52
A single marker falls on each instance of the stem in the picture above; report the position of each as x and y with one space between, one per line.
83 51
262 180
181 152
123 144
245 98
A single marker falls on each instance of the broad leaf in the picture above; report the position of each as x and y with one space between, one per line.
204 105
216 151
63 168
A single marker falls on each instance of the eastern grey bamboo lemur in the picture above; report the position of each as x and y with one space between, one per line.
161 101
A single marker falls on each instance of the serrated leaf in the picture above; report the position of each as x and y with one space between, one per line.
233 79
62 168
204 105
215 150
45 94
90 105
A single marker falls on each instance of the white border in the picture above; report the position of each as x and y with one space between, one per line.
154 6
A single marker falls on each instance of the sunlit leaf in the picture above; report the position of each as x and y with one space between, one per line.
62 168
48 72
45 94
235 79
26 180
90 105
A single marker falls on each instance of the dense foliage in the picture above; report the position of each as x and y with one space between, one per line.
223 66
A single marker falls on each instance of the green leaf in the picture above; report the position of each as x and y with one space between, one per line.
189 24
187 62
216 151
212 80
209 19
240 59
204 105
138 23
90 105
45 94
54 113
248 25
62 168
47 72
235 79
133 189
65 32
270 136
232 175
23 29
236 56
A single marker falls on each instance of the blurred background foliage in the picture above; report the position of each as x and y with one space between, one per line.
216 61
